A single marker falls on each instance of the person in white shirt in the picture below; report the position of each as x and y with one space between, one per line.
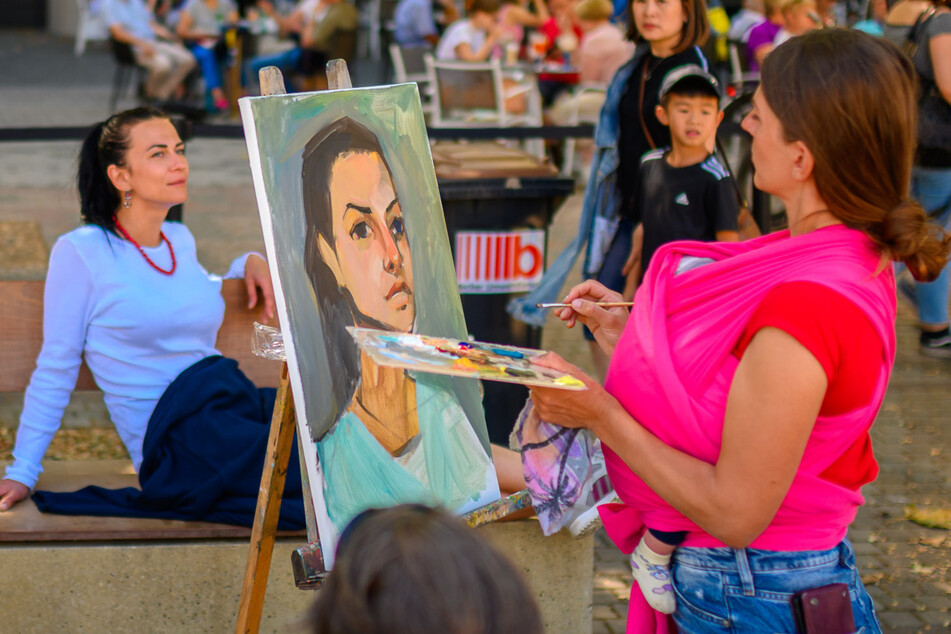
200 27
125 292
472 38
290 25
602 51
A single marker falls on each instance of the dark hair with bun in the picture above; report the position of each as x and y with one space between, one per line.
851 98
411 568
106 144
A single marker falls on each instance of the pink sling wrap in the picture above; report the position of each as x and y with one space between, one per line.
673 366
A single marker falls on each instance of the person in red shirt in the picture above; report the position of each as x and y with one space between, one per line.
744 381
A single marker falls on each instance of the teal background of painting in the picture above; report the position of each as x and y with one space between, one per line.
284 124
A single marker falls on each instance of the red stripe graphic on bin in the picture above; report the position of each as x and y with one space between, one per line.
499 261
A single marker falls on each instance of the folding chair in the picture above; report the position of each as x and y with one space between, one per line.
473 94
409 65
567 166
89 26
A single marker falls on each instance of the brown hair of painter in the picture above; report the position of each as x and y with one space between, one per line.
851 99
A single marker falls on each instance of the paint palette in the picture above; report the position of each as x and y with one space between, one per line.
474 359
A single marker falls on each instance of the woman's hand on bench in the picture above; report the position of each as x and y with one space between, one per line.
257 275
12 492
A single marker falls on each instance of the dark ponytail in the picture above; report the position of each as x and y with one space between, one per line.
106 144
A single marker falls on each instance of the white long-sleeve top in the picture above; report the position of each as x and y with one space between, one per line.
137 328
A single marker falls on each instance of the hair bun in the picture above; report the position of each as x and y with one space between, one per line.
910 236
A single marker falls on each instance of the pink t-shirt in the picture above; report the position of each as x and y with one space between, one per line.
602 51
674 364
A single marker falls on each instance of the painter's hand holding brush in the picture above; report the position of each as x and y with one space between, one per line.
602 310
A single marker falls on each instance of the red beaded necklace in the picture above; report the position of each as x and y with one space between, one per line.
144 255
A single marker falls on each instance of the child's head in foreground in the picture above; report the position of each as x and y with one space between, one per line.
415 569
690 106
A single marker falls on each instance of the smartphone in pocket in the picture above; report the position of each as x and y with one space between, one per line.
824 610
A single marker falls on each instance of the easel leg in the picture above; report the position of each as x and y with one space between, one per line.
267 513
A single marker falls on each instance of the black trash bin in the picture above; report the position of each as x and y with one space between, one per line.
498 204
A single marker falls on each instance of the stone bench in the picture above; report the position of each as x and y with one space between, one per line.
104 574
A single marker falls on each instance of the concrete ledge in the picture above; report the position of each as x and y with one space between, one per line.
195 585
560 570
192 586
166 580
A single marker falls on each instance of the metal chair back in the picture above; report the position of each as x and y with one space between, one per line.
467 94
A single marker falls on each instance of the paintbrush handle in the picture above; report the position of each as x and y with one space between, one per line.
601 304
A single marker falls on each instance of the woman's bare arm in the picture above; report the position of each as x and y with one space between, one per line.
466 53
773 403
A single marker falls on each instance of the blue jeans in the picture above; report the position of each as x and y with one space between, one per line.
749 590
208 62
932 188
285 60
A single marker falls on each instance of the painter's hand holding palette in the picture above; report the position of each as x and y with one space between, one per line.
475 359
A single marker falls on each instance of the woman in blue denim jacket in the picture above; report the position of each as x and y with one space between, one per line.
668 34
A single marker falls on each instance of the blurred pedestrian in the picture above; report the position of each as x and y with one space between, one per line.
154 46
472 38
200 26
931 177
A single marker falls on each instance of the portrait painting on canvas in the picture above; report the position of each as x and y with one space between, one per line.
355 235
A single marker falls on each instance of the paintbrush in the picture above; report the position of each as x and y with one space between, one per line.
601 304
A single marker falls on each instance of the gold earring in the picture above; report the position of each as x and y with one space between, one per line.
127 199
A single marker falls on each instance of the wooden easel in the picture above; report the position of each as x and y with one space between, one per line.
279 444
307 561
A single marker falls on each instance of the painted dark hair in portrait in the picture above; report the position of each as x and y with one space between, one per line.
335 303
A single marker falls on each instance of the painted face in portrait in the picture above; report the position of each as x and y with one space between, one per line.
370 255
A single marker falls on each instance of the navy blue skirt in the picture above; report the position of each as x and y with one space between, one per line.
203 456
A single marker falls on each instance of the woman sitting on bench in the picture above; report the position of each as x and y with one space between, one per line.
127 293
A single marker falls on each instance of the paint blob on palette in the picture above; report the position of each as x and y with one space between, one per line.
474 359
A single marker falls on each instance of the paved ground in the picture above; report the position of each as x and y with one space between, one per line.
905 566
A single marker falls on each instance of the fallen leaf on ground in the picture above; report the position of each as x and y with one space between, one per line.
945 587
930 517
872 578
918 569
